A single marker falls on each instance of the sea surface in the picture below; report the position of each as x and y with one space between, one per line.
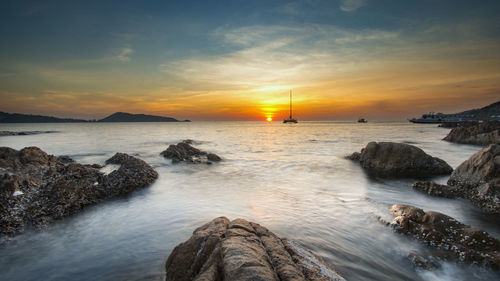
291 178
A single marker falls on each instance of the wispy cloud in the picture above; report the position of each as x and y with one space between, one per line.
351 5
124 54
276 55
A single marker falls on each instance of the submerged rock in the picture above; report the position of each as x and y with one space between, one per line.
459 241
389 159
478 133
36 188
434 189
184 152
242 250
24 133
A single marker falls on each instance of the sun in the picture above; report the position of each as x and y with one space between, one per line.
269 119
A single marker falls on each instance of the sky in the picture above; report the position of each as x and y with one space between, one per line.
238 60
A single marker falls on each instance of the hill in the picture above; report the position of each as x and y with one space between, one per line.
28 118
484 113
128 117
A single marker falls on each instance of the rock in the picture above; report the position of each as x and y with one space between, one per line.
478 179
37 188
435 189
24 133
460 242
478 133
422 262
242 250
213 157
184 152
389 159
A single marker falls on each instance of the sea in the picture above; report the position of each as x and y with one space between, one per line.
291 178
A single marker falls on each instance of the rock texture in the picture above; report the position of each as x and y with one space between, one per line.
478 133
460 242
434 189
389 159
478 179
184 152
36 188
242 250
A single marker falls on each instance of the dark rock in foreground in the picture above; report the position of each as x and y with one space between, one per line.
184 152
36 188
460 242
478 133
389 159
242 250
478 179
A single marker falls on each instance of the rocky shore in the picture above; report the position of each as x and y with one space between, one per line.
476 179
390 159
184 152
242 250
37 188
456 241
478 133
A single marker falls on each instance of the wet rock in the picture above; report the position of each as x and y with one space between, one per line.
478 133
434 189
460 242
478 179
184 152
422 262
37 188
389 159
242 250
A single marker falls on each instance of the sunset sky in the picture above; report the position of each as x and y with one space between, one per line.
237 60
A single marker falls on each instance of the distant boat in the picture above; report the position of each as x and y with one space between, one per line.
435 118
362 120
290 119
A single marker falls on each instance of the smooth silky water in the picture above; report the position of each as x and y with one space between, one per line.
290 178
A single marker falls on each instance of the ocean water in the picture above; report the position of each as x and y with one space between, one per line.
290 178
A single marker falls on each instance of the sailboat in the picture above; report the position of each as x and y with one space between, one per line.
290 119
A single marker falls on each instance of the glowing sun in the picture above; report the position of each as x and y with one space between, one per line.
269 119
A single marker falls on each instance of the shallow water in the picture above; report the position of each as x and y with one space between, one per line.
291 178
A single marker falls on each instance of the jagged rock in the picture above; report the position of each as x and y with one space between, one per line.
478 133
460 242
242 250
389 159
434 189
478 179
36 188
184 152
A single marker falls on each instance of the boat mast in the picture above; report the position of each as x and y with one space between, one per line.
290 104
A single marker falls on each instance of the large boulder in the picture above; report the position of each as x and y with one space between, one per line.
184 152
390 159
478 179
37 188
456 241
242 250
478 133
